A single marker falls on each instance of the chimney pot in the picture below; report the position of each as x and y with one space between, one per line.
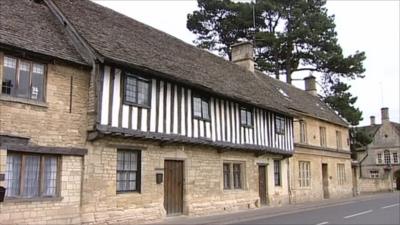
372 120
310 85
242 55
385 114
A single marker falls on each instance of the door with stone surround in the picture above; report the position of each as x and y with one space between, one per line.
262 183
173 187
325 180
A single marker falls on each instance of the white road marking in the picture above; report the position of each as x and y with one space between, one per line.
358 214
322 223
389 206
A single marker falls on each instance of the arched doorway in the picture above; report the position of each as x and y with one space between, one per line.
396 176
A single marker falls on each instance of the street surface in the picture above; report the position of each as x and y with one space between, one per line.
383 210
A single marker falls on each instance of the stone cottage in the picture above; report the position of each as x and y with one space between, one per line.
321 165
107 120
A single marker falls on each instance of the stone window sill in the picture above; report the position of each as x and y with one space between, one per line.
22 100
38 199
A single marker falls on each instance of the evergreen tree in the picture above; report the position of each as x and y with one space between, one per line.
290 35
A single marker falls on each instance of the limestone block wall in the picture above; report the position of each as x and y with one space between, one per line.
64 209
315 191
203 182
313 133
374 184
55 122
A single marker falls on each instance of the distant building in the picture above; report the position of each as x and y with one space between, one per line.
381 157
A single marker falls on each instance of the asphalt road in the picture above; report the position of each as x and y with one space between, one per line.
382 210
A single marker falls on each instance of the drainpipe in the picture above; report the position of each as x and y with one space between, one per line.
288 180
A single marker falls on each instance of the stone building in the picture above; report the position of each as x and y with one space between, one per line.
321 165
380 159
106 120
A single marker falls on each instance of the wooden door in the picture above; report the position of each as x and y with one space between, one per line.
262 183
355 185
173 187
325 181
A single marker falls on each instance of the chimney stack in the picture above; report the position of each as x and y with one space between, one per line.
242 54
310 86
372 120
384 114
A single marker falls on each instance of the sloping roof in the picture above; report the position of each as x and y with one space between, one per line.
304 102
371 130
30 26
124 39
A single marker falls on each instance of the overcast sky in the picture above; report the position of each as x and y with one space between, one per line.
370 26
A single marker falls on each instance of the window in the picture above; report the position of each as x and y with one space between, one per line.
379 158
31 175
200 108
23 79
237 181
303 132
341 174
322 136
338 139
233 175
304 174
246 117
374 174
279 125
227 176
395 158
386 155
277 172
128 171
137 90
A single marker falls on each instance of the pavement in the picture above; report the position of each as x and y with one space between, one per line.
380 208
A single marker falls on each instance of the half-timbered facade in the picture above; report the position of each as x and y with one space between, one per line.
133 102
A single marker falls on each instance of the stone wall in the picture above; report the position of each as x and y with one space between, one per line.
60 210
50 123
315 191
313 133
312 151
203 182
367 185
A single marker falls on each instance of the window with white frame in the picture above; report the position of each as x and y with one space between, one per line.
341 174
233 175
379 158
23 78
395 158
338 139
386 156
277 172
374 174
303 132
31 175
128 171
304 174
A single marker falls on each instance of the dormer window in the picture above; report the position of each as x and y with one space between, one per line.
279 125
201 109
23 79
246 117
136 91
